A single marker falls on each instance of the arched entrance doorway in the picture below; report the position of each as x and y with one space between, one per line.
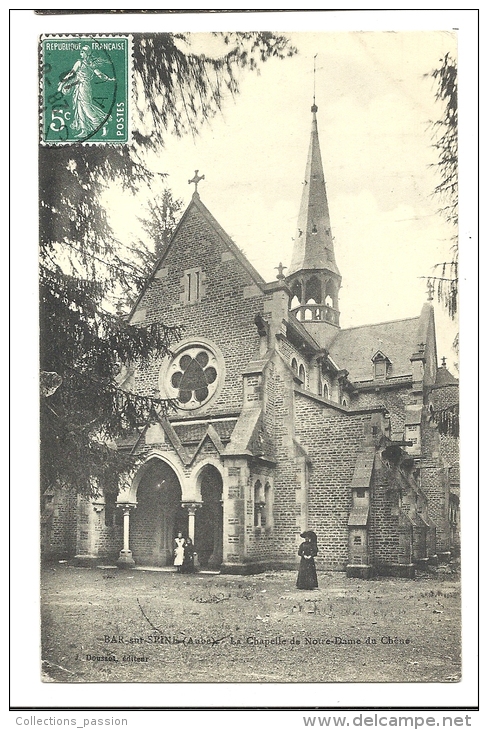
158 516
209 519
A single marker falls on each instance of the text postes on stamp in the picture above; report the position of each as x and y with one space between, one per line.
85 89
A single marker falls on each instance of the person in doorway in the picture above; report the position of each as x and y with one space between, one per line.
189 557
307 574
179 552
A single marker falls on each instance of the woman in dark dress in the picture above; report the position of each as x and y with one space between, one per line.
307 574
189 557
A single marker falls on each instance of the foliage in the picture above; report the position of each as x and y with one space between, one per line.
83 410
445 276
446 131
175 92
85 271
162 215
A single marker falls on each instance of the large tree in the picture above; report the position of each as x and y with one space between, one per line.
85 271
162 213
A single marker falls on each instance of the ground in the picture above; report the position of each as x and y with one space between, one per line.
109 625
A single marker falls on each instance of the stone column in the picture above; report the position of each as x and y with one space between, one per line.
192 509
125 557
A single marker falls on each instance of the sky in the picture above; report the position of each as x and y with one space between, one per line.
376 102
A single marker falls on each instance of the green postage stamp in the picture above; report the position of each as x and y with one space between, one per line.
85 89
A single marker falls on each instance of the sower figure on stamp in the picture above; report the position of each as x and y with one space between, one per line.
87 116
179 552
307 574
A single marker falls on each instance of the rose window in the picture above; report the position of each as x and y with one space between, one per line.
192 377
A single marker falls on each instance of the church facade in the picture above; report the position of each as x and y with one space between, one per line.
284 420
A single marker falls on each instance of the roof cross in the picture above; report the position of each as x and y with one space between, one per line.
196 179
280 268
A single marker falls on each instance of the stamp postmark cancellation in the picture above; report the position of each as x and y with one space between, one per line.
85 89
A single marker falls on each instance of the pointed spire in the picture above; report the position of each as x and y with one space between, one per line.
314 246
313 277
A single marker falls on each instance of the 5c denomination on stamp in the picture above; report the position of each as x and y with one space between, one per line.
85 89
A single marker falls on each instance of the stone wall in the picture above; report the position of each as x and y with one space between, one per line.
58 524
225 314
332 440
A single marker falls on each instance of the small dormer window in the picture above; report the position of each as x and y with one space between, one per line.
380 369
380 366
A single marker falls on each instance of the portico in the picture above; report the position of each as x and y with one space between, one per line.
162 500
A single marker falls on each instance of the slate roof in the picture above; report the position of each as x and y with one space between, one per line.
353 348
363 467
444 377
314 244
358 517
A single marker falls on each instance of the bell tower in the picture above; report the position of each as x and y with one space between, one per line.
313 276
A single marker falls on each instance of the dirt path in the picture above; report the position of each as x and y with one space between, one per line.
137 626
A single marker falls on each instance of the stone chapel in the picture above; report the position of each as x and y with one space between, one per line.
284 420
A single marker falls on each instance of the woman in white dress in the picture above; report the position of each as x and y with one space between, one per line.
179 551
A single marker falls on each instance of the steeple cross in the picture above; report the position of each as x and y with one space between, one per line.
196 179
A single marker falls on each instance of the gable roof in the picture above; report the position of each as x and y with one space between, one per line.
196 204
353 348
226 239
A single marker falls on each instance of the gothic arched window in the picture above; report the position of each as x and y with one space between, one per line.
258 504
313 291
267 516
296 291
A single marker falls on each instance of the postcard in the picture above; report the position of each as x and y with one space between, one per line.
249 360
